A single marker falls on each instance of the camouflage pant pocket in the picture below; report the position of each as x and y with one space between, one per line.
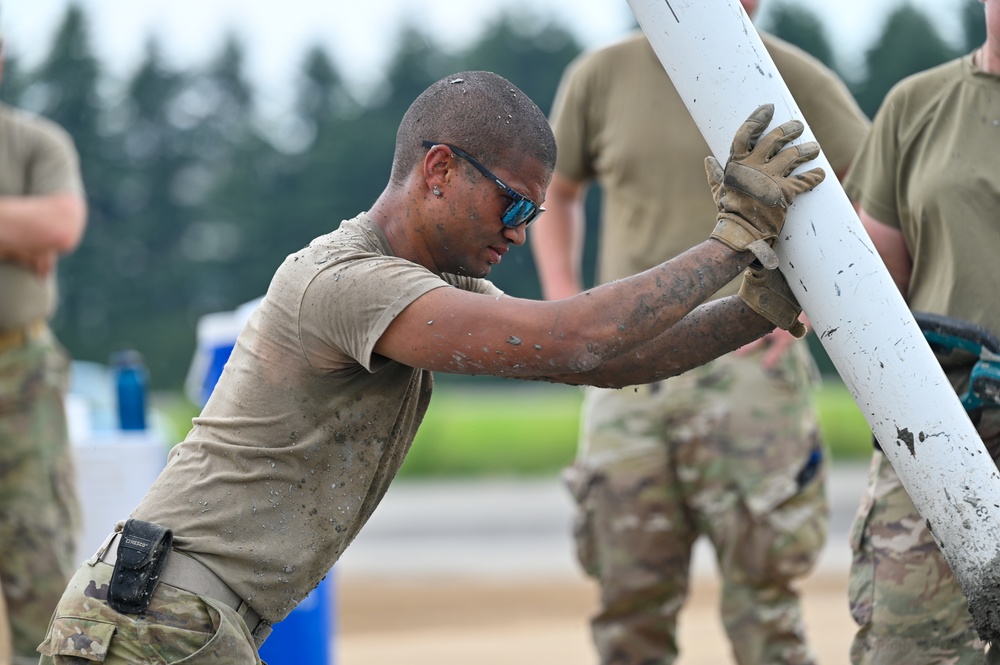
784 544
230 640
71 639
177 627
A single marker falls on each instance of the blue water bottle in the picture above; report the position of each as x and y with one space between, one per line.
131 381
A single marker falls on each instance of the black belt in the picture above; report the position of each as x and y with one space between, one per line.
188 574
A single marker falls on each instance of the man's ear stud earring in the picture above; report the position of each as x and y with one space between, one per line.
437 192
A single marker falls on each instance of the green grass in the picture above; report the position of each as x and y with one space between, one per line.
174 413
529 429
843 426
517 430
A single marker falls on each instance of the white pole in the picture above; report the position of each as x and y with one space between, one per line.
722 71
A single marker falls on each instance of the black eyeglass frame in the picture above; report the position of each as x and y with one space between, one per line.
521 210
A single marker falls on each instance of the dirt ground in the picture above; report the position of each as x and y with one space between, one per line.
450 622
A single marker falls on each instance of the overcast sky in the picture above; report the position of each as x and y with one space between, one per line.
359 33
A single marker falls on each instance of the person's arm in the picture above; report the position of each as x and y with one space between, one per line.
53 222
46 220
36 230
557 238
579 339
892 247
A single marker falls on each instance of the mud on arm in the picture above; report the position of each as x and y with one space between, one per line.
712 330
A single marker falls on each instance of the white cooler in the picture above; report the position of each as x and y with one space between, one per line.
113 472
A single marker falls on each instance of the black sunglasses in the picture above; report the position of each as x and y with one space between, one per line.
521 210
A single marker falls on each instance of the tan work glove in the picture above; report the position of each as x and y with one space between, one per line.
767 293
754 190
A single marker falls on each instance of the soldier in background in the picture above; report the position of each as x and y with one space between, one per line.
928 186
730 450
42 216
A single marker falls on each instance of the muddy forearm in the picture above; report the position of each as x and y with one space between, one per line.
712 330
626 314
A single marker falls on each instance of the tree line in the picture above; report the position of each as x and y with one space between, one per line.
194 201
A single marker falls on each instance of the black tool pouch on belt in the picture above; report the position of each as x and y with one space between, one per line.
142 552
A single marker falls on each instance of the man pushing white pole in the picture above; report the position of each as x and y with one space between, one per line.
722 71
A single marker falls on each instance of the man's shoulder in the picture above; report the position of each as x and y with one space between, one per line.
930 82
17 116
629 50
631 58
358 237
915 98
23 123
788 56
632 43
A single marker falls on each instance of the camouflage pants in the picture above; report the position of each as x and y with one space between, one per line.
728 451
38 509
178 626
6 647
906 601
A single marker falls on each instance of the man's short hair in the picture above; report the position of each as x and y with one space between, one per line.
480 112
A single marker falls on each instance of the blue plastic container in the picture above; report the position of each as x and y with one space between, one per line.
217 357
306 636
217 333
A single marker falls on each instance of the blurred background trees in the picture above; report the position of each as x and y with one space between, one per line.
195 200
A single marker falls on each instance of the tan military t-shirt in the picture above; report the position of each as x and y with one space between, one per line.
930 169
37 157
612 124
307 425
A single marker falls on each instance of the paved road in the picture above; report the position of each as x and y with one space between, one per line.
518 528
448 573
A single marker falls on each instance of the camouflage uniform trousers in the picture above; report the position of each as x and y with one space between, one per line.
729 451
6 647
906 601
178 626
39 515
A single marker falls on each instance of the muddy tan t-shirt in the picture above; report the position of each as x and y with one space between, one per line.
37 157
931 170
307 425
619 120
